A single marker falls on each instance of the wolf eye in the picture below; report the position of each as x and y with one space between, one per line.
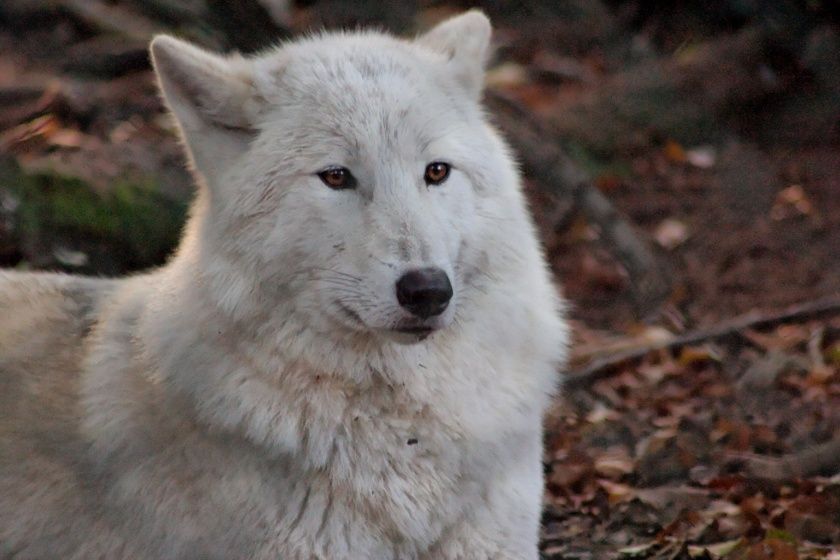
436 173
337 178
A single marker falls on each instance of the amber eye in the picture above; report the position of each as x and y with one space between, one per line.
436 173
337 178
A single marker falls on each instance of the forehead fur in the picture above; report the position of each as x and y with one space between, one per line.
352 86
342 69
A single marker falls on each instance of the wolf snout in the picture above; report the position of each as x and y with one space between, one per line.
425 292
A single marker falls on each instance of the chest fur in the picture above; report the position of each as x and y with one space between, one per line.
411 454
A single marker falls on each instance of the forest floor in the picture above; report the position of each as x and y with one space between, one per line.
705 427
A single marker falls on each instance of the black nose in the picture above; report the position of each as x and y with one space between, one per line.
425 292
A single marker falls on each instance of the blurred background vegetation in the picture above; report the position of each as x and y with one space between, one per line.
683 163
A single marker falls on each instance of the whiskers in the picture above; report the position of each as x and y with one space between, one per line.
347 293
336 273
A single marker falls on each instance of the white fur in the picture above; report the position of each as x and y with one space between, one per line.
229 405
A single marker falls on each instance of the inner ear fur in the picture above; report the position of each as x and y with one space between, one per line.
465 41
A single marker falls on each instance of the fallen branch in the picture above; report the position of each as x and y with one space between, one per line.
106 17
811 461
107 56
562 179
21 103
601 367
243 25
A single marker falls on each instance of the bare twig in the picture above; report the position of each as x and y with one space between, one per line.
811 461
601 367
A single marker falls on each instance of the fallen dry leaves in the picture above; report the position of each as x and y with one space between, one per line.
651 461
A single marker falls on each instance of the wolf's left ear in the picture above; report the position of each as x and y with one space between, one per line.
465 41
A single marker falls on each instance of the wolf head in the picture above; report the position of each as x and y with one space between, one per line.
348 177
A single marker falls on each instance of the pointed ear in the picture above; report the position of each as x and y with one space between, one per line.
204 89
213 99
465 41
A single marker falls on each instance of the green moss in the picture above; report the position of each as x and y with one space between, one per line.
134 223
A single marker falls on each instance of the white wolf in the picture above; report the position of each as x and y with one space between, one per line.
349 355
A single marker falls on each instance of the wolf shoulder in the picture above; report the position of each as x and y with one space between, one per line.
44 316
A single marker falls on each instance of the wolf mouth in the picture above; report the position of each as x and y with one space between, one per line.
421 331
418 330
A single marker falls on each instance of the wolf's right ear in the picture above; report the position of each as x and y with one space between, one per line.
214 100
203 89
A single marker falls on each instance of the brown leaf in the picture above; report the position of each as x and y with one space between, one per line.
674 152
614 464
772 549
671 500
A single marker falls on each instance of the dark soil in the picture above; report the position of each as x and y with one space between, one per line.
747 247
